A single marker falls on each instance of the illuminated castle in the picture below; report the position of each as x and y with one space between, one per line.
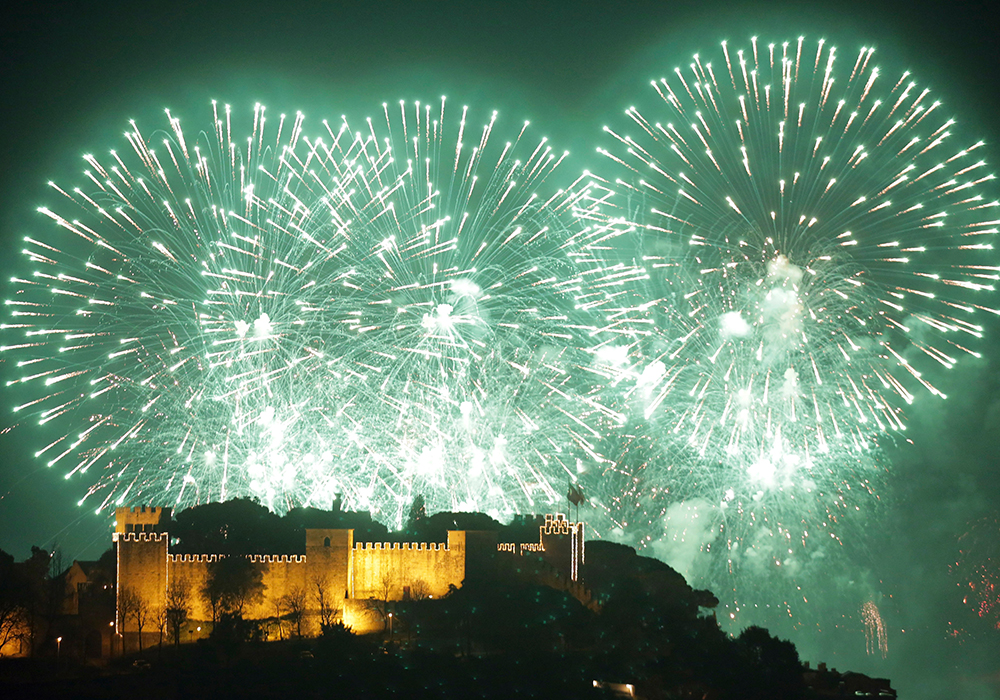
350 573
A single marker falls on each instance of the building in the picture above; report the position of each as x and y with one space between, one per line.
829 683
355 576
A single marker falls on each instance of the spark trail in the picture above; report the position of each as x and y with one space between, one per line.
373 313
814 247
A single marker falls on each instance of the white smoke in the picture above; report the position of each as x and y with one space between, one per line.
732 324
690 528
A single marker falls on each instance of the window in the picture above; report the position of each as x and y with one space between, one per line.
326 541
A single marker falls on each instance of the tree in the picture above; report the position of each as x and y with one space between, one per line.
128 603
177 608
161 619
279 608
419 590
294 603
142 615
131 605
378 601
234 528
417 515
212 592
772 666
37 594
324 603
13 613
232 585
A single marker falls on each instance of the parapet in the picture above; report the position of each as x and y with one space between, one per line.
277 558
193 558
512 548
558 525
139 537
402 546
255 558
142 519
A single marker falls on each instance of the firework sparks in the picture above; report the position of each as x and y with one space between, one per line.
876 637
813 248
375 313
979 552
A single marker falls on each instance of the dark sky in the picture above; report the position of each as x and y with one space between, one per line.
72 74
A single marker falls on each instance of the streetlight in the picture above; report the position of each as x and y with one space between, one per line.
390 628
58 647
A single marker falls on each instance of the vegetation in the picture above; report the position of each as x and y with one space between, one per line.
514 628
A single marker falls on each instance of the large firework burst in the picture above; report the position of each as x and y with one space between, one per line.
813 243
375 313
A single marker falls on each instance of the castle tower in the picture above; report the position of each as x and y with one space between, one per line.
329 560
141 550
562 543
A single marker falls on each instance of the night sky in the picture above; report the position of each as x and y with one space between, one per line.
72 74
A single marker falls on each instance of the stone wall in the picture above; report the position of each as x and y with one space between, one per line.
358 579
388 570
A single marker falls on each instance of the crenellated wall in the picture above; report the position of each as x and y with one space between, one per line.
347 571
355 577
190 571
392 568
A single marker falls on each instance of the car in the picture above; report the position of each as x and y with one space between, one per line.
141 665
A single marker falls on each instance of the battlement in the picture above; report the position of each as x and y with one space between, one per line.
402 546
513 548
255 558
151 510
558 525
142 519
277 558
194 558
139 537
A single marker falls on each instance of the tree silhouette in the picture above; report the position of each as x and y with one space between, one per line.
233 584
177 608
13 598
129 605
325 603
771 666
294 605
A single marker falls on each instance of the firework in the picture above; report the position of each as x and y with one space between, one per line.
876 637
374 313
813 246
977 568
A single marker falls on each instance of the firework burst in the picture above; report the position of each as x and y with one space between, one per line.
813 247
374 313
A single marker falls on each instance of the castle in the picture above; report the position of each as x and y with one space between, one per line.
334 568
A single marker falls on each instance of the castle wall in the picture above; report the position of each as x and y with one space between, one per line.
384 570
282 576
190 571
359 580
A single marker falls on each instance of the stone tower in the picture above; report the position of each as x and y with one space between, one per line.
141 550
328 553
